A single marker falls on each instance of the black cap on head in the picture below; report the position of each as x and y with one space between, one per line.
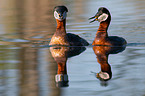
102 10
60 9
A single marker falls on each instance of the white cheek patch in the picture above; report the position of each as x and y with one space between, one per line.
104 75
103 17
56 15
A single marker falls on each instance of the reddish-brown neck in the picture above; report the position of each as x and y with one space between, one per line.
60 30
104 27
61 24
61 63
62 68
102 58
103 61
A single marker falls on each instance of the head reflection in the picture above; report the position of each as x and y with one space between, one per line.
60 55
102 53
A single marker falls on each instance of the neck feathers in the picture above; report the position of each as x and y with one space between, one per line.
104 25
61 24
102 31
59 37
60 30
102 35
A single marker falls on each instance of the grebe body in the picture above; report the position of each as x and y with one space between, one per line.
102 38
60 37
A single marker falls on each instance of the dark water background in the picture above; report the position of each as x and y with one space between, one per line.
27 67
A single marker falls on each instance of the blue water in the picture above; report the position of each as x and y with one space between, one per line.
27 67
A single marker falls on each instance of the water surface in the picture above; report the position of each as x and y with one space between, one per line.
28 68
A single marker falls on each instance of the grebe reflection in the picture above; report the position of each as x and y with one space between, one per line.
102 53
60 55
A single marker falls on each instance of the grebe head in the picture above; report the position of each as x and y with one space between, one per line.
60 12
104 76
102 15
